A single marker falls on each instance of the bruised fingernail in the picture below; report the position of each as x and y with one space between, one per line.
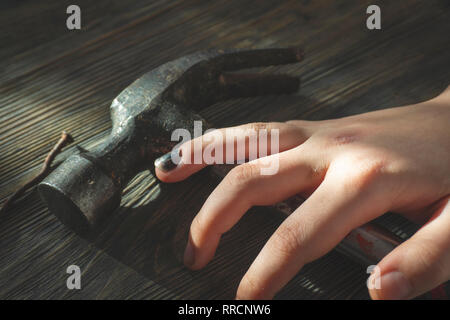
395 286
189 254
165 163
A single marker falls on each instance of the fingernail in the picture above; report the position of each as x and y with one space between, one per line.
189 254
395 286
165 162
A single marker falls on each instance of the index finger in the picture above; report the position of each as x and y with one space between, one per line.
227 141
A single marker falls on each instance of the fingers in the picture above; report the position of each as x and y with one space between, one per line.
336 207
241 189
233 145
420 263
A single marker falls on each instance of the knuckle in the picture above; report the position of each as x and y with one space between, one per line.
288 239
263 126
242 175
257 126
339 137
368 173
361 172
249 288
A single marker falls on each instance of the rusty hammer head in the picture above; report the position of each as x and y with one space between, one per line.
87 186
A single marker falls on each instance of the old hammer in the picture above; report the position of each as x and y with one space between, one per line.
88 186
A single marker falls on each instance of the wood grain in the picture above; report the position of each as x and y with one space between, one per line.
53 79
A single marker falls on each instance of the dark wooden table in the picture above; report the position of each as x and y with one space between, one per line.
53 79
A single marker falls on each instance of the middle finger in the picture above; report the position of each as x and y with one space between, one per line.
245 187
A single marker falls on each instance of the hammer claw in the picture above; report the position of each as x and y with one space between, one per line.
202 78
236 59
249 85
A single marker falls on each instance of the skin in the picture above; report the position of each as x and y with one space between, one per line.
352 170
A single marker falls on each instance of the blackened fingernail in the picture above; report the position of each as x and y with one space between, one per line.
189 254
165 162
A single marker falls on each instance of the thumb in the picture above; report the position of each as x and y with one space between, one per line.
419 264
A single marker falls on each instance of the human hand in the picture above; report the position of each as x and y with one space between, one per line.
353 170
